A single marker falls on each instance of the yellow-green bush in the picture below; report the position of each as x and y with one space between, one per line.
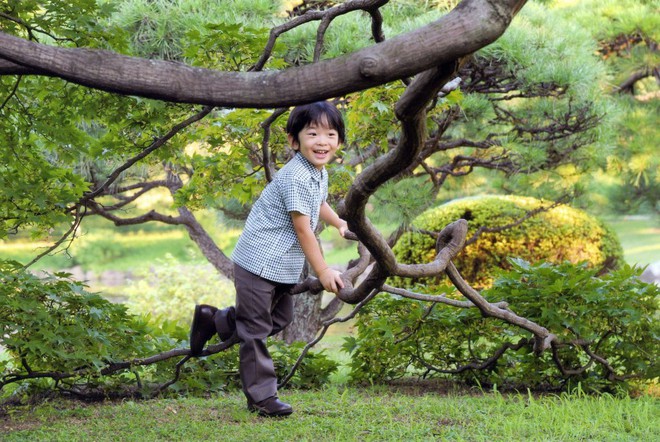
560 234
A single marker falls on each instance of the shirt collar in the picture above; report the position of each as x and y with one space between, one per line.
316 174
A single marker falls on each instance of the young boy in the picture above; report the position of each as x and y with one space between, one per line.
271 251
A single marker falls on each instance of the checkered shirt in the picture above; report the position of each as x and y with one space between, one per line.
269 246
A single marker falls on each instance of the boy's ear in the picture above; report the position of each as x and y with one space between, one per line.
292 142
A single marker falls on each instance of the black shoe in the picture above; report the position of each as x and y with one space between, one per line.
225 322
271 407
202 329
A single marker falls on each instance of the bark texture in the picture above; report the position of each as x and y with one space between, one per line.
472 25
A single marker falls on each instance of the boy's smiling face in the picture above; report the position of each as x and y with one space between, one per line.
317 143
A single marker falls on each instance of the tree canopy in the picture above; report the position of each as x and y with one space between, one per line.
106 102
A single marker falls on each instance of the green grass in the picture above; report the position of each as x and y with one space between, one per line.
408 413
640 238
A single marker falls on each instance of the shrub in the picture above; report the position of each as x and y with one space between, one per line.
55 334
171 289
615 312
99 251
562 233
314 370
53 325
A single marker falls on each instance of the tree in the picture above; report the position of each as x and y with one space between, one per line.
411 78
627 36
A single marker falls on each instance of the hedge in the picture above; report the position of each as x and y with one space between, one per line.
560 234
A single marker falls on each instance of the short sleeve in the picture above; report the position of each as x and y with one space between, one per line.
298 197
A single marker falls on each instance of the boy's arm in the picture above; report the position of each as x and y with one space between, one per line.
330 278
329 216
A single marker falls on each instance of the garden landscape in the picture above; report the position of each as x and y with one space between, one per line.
500 180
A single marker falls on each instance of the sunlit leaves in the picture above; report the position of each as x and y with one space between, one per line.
227 46
370 116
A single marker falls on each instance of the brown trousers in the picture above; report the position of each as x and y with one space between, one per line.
261 311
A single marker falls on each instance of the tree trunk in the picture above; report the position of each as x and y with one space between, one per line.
306 319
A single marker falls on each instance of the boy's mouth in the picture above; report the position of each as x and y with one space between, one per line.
321 152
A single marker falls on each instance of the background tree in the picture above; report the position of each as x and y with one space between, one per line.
627 38
535 122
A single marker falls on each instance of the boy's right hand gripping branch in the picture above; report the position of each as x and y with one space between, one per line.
331 280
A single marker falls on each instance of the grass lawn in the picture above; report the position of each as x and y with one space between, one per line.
640 238
395 413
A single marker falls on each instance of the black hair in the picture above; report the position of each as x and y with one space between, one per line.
320 113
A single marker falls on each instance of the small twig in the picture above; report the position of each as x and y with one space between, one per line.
177 373
376 24
12 93
442 298
265 150
491 361
155 145
326 325
78 217
335 11
417 326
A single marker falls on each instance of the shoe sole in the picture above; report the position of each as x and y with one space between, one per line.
221 323
283 413
195 326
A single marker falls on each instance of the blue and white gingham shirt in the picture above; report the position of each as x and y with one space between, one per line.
269 246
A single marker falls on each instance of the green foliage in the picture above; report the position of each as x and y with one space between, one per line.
314 370
54 325
60 134
370 116
171 289
551 137
217 373
634 173
199 32
223 161
615 313
626 34
563 233
400 202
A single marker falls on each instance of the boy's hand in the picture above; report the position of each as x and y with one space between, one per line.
343 228
331 280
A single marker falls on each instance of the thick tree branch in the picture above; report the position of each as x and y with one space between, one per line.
411 111
628 85
543 337
469 27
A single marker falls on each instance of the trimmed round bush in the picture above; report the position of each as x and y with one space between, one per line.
557 235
